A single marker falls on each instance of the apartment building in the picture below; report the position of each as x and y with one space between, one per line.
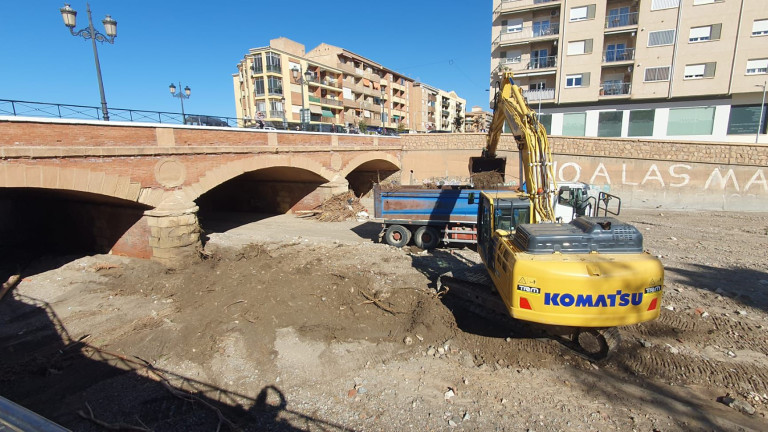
682 69
477 120
331 85
435 109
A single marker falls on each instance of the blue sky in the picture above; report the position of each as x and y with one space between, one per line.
442 43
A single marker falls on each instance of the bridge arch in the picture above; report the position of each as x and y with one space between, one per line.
366 169
229 171
69 179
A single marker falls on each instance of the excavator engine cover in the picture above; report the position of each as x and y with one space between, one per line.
487 164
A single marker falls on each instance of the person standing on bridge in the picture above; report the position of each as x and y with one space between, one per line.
260 119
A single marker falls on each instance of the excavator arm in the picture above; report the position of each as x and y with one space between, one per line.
535 153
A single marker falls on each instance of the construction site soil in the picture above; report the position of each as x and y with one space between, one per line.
293 324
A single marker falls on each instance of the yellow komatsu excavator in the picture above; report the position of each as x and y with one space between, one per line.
580 279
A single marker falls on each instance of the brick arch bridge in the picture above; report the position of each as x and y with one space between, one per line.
162 171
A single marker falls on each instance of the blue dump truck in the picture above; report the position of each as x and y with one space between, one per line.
428 216
449 214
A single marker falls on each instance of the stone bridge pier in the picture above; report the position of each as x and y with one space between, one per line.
174 227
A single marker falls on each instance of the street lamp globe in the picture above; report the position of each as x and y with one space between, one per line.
295 72
187 91
69 15
172 88
110 26
308 75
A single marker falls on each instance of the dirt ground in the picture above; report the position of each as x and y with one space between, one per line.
294 324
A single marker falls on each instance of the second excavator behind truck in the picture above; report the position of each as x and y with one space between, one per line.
581 279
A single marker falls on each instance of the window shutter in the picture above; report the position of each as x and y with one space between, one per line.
591 11
715 34
663 37
709 69
588 46
585 79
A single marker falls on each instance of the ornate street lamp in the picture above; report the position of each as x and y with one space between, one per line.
302 78
181 95
110 26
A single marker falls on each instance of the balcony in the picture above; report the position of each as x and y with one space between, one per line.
619 55
330 102
615 88
507 6
539 94
350 103
275 68
542 63
527 34
275 114
621 20
346 67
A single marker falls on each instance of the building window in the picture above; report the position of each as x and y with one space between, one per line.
664 4
760 27
757 66
577 80
746 119
275 86
579 13
662 37
657 74
609 124
273 63
691 121
580 47
257 67
574 124
512 26
573 80
641 122
702 70
705 33
511 56
258 86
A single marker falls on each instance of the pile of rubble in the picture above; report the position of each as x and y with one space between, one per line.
487 180
339 208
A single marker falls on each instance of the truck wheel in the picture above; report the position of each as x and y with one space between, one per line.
397 235
426 237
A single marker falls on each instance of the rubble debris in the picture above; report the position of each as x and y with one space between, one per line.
737 404
487 180
342 207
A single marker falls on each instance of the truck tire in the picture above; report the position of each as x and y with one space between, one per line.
426 238
397 235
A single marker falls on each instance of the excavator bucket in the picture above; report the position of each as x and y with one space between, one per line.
487 164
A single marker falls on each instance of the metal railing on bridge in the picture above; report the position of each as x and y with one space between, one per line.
63 111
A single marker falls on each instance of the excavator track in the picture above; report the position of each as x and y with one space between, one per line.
472 290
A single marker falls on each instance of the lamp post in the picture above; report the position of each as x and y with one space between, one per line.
302 77
285 121
110 26
762 111
181 95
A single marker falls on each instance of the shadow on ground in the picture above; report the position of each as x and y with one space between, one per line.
86 388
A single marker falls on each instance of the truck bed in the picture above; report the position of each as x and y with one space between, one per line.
419 206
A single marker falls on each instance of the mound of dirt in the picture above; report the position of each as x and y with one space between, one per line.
339 208
487 180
